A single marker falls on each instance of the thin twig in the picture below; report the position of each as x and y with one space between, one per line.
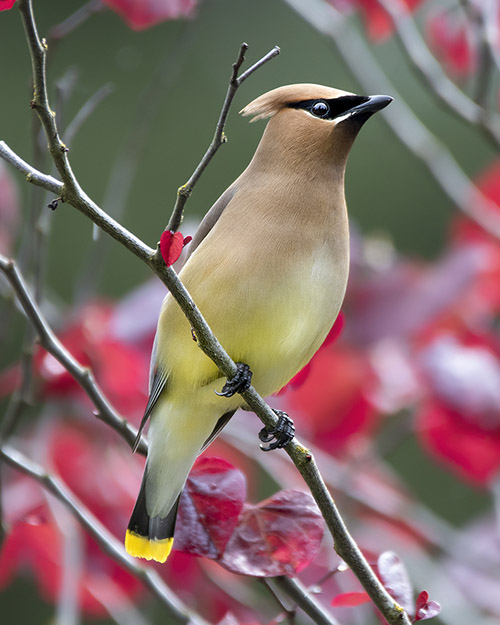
432 73
184 192
40 101
108 543
76 19
303 460
485 59
288 613
299 593
485 14
32 175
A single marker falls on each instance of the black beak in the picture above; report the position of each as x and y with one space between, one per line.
373 104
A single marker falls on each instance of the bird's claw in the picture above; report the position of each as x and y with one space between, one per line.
239 383
282 433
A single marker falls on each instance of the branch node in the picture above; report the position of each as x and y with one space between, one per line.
184 191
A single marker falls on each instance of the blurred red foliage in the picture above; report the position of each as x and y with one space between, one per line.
377 21
5 5
450 37
120 368
141 14
333 400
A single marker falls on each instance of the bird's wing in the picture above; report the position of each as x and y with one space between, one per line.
157 383
210 219
221 423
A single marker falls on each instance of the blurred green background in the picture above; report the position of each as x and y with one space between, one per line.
168 84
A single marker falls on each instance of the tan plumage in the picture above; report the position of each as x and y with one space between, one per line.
268 270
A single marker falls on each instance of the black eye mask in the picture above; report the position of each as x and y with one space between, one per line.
332 108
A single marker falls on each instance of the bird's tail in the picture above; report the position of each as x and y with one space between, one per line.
150 537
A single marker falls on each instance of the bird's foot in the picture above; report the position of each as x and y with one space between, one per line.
282 433
239 383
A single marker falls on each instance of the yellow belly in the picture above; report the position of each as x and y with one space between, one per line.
274 323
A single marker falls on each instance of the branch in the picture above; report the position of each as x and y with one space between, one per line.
184 192
32 175
40 101
51 343
109 544
432 73
299 593
76 19
402 121
303 460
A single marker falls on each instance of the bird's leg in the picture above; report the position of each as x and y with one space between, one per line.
239 382
282 433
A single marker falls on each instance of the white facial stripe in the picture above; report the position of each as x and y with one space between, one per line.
343 117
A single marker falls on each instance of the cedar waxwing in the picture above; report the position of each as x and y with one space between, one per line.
268 269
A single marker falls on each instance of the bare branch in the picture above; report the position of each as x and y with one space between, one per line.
432 73
299 593
108 543
184 192
51 343
40 101
32 175
76 19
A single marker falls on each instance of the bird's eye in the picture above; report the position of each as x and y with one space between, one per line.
320 109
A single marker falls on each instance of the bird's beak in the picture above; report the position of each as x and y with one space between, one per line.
373 104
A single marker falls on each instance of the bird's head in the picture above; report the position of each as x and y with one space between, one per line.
312 122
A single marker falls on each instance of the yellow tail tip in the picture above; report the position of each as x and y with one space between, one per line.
142 547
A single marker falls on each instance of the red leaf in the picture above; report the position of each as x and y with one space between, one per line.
141 14
210 506
171 244
5 5
425 609
279 536
395 578
350 599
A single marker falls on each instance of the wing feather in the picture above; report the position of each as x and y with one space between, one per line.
158 384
